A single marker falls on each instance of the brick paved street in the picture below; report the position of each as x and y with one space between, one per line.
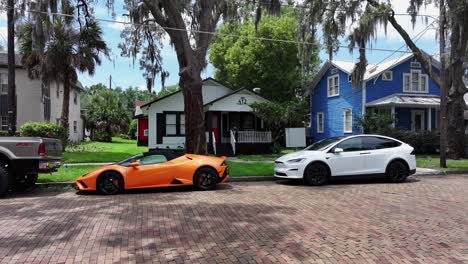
422 221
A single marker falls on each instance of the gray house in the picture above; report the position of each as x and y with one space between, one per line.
37 101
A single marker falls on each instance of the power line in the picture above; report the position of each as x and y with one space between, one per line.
204 32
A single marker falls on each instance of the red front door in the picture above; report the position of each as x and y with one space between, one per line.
214 125
142 127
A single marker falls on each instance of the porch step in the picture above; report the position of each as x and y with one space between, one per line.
224 149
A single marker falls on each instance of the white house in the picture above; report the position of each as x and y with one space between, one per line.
38 102
231 127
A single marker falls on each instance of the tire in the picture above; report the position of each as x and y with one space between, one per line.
4 181
27 184
205 179
109 183
396 172
316 174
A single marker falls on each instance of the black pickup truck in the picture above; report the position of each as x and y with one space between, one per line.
22 158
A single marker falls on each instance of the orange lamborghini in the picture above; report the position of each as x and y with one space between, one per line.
156 169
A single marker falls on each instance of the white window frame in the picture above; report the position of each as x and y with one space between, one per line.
384 76
334 71
410 79
3 83
322 125
336 83
415 64
344 121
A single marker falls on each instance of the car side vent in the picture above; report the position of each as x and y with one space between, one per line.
176 181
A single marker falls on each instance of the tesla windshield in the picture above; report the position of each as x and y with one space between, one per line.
324 143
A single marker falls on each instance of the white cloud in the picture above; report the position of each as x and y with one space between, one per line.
400 7
118 26
3 36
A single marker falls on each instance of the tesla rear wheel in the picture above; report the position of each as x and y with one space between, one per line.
316 175
205 179
110 183
397 172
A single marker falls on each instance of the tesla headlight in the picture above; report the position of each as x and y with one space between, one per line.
296 160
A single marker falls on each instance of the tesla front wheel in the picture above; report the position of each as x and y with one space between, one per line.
316 175
205 179
110 183
397 172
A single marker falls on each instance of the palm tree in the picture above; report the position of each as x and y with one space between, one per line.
64 51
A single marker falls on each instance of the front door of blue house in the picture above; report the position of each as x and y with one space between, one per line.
417 120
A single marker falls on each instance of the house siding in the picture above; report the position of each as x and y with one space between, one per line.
377 88
30 104
333 107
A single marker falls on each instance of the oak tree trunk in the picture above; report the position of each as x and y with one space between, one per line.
66 100
455 124
191 85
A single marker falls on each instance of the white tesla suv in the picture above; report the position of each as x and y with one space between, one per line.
349 156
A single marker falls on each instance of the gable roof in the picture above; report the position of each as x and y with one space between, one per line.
233 92
178 91
372 70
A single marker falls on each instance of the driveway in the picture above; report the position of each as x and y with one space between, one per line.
422 221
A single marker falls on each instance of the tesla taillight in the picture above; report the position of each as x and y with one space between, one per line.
41 151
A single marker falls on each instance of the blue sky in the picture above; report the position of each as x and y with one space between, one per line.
125 73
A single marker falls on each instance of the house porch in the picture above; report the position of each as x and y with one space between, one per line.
230 133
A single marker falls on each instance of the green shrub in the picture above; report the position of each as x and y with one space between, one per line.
102 136
125 136
426 142
133 129
44 129
3 133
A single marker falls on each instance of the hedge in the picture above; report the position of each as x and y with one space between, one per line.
44 129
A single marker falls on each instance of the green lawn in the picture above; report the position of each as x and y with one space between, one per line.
266 157
237 169
432 162
118 149
66 174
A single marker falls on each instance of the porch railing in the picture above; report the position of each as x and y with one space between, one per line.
253 136
233 142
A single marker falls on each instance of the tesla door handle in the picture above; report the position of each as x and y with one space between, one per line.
364 153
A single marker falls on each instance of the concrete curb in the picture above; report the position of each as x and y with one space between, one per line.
251 179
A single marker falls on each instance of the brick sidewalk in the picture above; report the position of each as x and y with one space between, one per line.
422 221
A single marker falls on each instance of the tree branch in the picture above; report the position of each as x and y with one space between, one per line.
418 53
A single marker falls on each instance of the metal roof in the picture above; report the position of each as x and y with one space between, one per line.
413 100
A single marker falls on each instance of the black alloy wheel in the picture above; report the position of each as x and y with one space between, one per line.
316 175
110 183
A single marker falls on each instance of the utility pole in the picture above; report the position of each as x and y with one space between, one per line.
11 69
443 88
110 82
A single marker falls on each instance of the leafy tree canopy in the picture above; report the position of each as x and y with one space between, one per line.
272 66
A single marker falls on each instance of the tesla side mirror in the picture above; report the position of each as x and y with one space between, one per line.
337 150
135 164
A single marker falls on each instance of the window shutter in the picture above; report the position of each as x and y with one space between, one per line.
160 127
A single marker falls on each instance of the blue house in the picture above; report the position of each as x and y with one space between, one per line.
398 87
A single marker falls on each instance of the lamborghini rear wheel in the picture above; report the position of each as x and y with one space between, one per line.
205 179
110 182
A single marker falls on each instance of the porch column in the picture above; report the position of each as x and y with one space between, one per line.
393 115
429 119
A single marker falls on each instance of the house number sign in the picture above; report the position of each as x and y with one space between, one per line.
242 101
